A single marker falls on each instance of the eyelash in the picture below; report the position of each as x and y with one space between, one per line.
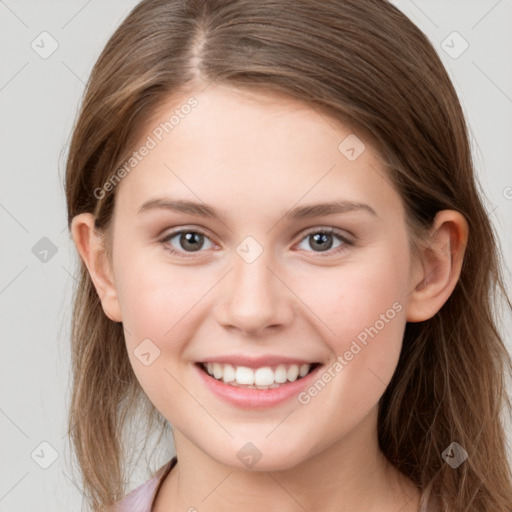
329 231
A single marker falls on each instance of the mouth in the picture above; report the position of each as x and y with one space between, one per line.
261 378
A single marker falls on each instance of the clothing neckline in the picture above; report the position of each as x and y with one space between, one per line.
166 471
427 503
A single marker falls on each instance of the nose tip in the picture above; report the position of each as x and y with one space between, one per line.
255 300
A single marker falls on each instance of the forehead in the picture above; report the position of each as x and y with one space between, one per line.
237 147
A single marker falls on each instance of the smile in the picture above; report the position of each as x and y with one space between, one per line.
265 377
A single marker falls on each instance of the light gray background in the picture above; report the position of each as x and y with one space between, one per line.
39 98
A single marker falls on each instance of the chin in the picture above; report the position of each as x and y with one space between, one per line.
249 458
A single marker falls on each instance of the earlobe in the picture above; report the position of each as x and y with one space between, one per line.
90 246
441 263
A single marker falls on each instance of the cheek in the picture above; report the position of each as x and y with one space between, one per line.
362 316
146 292
358 295
161 301
159 304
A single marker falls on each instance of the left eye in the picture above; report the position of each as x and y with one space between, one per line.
322 240
189 241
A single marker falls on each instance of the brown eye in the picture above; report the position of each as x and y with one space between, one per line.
185 241
323 240
191 241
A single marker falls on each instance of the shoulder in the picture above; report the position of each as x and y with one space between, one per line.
141 498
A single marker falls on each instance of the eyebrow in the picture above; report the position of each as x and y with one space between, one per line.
297 213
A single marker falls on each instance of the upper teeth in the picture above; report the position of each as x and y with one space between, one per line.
264 376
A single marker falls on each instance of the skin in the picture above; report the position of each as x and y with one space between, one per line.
254 158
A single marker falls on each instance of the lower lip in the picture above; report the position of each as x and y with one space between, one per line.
256 398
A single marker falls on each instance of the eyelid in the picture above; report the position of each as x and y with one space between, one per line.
331 253
347 241
332 231
164 239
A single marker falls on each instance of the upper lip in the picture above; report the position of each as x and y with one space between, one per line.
256 362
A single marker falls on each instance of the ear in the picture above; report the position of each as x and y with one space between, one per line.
439 269
90 244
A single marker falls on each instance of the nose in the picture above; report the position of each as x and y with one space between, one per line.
254 298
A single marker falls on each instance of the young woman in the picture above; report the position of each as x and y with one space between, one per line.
284 255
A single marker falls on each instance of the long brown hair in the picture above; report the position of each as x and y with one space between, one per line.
368 65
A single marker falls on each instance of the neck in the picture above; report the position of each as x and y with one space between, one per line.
352 475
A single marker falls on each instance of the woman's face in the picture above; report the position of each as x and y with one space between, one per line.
262 276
